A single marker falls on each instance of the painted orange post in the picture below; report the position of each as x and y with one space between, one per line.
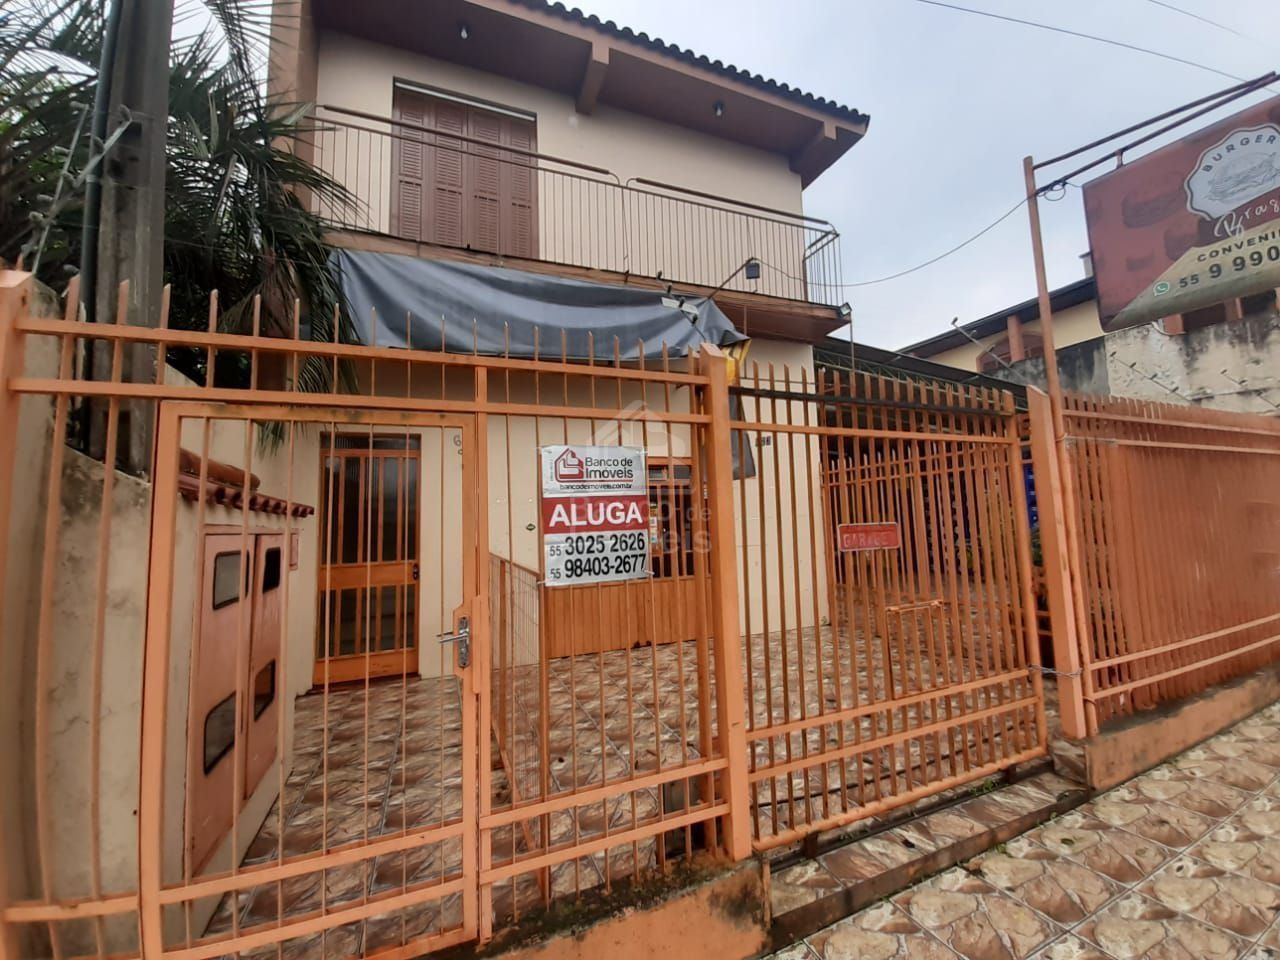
730 708
1053 545
482 645
155 685
15 300
1063 480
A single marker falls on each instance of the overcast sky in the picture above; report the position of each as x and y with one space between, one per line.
956 101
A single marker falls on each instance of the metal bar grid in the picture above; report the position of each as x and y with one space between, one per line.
875 678
597 732
1177 544
370 839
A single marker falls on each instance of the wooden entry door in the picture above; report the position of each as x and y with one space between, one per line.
369 563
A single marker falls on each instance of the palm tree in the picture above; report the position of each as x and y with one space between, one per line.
234 218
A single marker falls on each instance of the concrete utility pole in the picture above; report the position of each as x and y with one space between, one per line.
130 241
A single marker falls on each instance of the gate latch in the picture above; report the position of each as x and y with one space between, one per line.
462 637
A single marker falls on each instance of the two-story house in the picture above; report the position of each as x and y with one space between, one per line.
531 180
533 137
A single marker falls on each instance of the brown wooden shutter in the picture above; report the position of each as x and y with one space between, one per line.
486 229
521 192
407 168
446 177
463 194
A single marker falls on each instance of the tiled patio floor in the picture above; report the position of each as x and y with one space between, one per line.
392 761
1181 863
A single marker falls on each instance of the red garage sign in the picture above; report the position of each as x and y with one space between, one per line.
854 537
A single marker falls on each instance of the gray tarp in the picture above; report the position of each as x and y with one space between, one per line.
460 307
469 305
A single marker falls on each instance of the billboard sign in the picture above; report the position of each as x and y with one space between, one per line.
595 514
1191 224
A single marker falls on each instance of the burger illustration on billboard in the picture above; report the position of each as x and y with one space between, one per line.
1243 165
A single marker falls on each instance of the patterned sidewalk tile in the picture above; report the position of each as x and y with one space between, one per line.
799 885
1241 905
1119 855
882 932
1136 928
1180 863
1070 947
975 919
1061 889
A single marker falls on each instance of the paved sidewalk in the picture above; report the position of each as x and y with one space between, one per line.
1181 863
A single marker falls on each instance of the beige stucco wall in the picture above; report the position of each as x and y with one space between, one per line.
580 222
777 527
780 510
1204 366
1071 325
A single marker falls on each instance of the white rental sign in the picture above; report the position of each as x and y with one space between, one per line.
595 514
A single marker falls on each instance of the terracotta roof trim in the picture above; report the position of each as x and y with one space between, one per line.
659 45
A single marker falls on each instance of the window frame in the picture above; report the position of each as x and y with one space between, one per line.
210 765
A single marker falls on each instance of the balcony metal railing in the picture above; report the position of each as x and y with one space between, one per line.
571 213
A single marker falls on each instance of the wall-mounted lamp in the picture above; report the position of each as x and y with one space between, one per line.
679 303
845 312
464 30
751 270
718 108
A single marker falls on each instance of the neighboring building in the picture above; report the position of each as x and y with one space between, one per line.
1013 334
1225 356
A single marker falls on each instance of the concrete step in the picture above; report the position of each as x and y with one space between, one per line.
812 889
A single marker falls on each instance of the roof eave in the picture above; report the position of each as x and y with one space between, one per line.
1028 310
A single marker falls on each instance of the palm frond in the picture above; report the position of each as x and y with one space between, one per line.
235 222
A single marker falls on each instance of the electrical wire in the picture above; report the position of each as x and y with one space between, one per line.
902 273
1221 26
1084 36
1202 19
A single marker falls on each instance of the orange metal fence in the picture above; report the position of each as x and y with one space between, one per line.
1162 545
238 730
881 670
224 750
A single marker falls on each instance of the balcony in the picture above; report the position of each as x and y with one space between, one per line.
465 196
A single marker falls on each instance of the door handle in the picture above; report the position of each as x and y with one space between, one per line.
462 637
415 573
